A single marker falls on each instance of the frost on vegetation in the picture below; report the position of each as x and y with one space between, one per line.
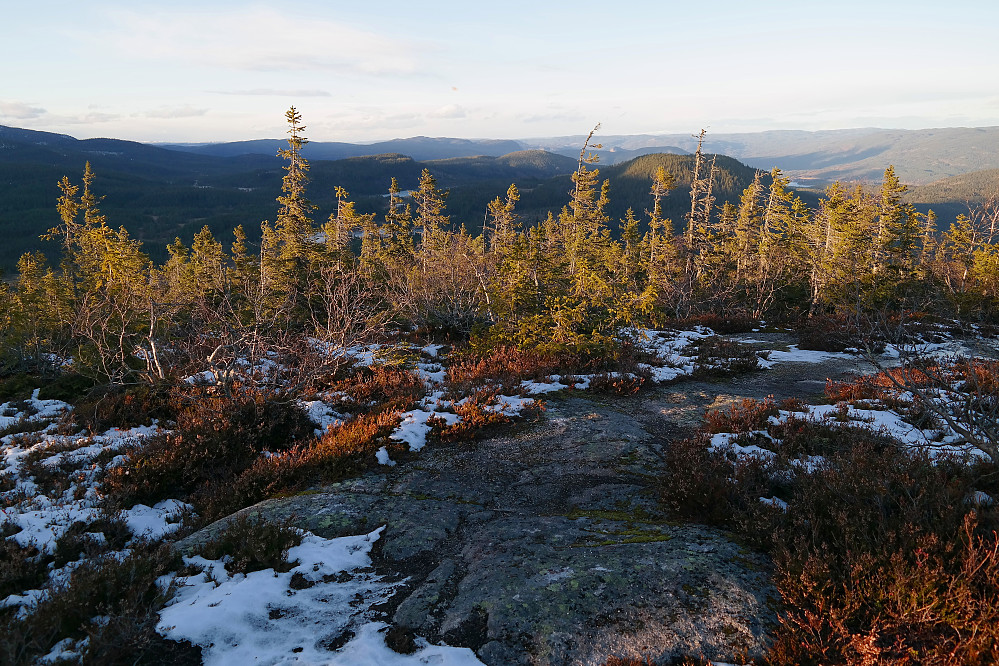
292 617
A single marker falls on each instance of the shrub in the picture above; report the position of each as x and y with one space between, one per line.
479 411
121 407
90 540
340 452
21 568
879 557
217 436
508 366
719 323
718 356
621 383
839 332
382 389
113 603
880 561
253 544
744 416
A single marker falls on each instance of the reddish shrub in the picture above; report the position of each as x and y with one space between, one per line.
510 365
478 412
839 332
743 416
381 388
719 323
621 383
118 407
340 452
793 405
216 437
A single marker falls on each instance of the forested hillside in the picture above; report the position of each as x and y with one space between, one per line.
234 372
569 279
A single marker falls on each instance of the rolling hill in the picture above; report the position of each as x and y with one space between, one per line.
161 192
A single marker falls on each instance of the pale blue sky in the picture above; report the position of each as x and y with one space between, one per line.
364 71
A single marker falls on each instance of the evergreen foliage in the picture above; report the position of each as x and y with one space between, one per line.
570 282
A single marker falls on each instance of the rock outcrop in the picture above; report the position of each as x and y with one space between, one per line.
545 545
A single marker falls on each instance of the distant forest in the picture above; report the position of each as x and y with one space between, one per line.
712 238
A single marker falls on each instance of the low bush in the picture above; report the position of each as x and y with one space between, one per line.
340 452
479 412
627 383
252 544
216 438
125 407
21 568
112 603
744 416
880 557
718 356
90 540
839 332
508 366
719 323
382 389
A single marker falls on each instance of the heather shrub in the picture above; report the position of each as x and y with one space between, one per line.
381 389
881 560
21 567
738 322
340 452
718 356
89 540
707 486
880 557
112 603
124 407
216 437
838 332
253 544
627 383
744 416
508 366
483 410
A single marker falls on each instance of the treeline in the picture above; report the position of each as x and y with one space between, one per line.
565 283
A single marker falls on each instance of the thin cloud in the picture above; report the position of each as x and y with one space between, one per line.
259 40
20 111
449 111
274 92
92 118
175 112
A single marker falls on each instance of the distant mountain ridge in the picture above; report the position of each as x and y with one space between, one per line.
818 157
919 156
160 192
419 148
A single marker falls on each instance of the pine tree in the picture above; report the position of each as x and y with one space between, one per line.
398 229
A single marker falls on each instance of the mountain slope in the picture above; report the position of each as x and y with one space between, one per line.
919 156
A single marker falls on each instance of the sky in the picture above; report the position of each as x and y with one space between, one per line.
361 71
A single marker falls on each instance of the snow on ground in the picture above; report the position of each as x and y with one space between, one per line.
322 414
43 511
796 355
413 429
32 410
266 617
